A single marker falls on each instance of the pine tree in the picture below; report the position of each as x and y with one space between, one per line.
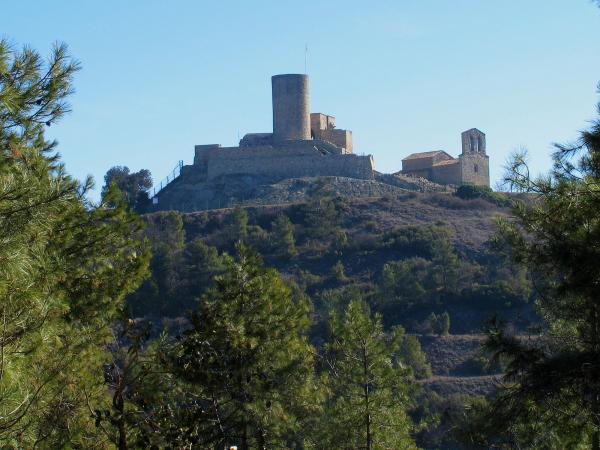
554 381
444 324
445 264
248 359
239 224
283 237
369 390
133 186
65 265
414 357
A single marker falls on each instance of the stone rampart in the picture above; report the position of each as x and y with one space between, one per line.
299 159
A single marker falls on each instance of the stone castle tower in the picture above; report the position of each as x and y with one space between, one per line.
291 107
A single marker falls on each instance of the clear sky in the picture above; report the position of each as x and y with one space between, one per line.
405 75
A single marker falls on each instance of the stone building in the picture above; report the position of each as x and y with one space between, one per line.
471 166
301 145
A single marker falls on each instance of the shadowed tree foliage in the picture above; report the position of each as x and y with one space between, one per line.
283 237
247 360
554 382
134 186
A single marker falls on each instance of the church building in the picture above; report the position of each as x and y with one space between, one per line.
471 166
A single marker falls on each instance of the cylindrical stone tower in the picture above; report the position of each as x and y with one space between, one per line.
291 107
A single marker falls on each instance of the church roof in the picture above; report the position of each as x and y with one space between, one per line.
422 155
446 162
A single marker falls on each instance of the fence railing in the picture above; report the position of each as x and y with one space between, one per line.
169 178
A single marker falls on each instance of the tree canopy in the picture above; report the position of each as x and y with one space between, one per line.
134 186
65 264
554 381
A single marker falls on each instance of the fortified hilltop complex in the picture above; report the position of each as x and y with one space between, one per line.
303 145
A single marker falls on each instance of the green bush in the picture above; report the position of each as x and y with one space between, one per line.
413 356
470 192
417 241
337 272
439 324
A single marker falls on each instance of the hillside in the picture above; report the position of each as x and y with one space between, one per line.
188 195
365 243
415 257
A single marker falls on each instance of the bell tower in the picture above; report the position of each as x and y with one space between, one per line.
473 141
474 162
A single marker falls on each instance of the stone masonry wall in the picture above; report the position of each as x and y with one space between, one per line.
475 169
301 159
446 173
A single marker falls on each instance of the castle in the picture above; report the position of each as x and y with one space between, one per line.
302 144
471 167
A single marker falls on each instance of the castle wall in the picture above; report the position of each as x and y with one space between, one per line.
301 159
340 138
320 121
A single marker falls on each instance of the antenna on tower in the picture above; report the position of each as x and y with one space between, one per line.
305 57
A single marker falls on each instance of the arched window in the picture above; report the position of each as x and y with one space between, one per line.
480 144
475 168
472 139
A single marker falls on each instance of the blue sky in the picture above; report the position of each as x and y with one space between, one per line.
159 77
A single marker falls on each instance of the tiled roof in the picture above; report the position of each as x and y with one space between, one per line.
425 155
447 162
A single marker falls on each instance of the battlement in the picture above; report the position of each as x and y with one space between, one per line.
323 127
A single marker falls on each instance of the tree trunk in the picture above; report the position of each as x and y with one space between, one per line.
245 438
594 384
596 422
367 397
119 403
260 440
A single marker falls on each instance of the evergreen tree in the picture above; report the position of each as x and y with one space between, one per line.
283 237
445 264
248 358
444 324
404 284
161 293
201 264
65 265
413 356
322 217
337 272
554 382
433 322
368 386
134 186
239 225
